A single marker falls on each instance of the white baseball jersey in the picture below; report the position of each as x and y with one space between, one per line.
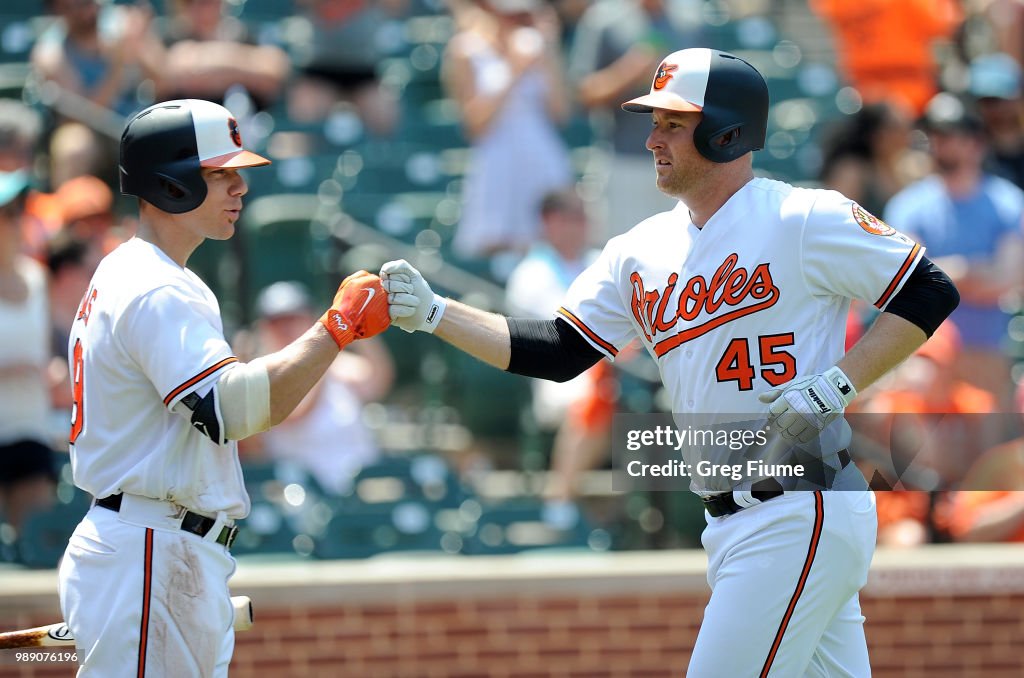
149 332
755 298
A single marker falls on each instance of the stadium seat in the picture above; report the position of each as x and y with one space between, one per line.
255 10
279 243
578 132
217 262
24 9
410 477
524 524
266 530
17 36
371 529
497 413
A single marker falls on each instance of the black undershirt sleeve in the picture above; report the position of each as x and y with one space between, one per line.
926 298
549 349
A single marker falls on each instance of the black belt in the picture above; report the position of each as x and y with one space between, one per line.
192 522
724 504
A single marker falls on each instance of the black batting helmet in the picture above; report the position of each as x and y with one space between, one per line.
730 93
164 147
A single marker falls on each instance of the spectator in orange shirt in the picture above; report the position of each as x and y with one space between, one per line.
990 504
915 414
987 516
921 445
885 46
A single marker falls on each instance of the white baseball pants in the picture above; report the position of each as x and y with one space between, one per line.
144 598
785 577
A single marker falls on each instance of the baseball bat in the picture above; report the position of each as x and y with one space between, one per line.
59 635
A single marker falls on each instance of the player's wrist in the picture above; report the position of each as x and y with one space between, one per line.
340 329
435 309
841 384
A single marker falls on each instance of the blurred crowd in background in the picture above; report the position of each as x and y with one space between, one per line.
483 139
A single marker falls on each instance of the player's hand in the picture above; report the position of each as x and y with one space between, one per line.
360 309
801 409
413 305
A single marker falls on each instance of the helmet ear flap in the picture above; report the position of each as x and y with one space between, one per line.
178 194
722 145
172 188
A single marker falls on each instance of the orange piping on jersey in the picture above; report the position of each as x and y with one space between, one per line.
675 341
147 590
884 299
198 378
588 332
819 520
85 308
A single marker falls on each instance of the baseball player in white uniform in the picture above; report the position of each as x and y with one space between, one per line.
740 293
159 401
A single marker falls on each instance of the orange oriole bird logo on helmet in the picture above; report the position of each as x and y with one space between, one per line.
663 75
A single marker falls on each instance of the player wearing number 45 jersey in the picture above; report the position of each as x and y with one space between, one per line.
740 293
159 401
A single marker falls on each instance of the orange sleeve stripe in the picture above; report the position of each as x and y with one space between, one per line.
589 333
198 378
812 550
147 590
884 299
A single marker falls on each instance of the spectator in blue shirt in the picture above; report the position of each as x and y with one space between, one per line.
970 221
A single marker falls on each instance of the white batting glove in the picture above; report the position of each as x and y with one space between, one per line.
411 303
807 406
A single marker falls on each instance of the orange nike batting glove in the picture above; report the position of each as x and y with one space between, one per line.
360 309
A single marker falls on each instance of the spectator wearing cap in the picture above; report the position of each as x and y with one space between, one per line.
970 221
325 434
87 212
27 473
995 82
82 205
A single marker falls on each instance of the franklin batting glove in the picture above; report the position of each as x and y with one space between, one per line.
807 406
413 305
360 309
